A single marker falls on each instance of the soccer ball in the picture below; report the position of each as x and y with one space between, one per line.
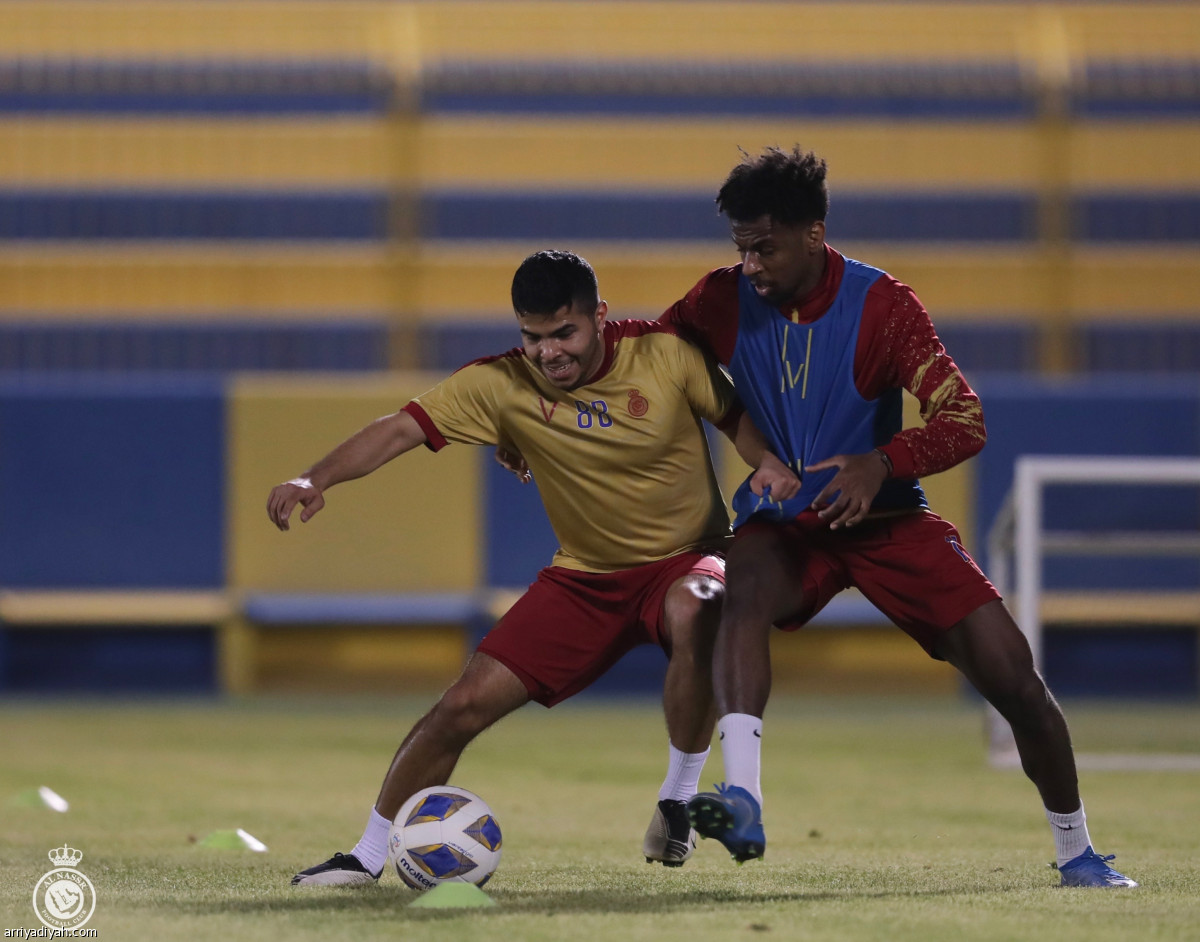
444 835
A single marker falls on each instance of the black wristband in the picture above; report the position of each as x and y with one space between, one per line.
887 462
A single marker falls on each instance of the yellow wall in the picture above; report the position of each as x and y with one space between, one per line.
681 153
955 282
362 659
246 30
596 155
637 29
868 660
397 32
187 279
439 280
260 153
412 526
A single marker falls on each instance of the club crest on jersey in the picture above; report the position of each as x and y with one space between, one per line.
547 414
638 404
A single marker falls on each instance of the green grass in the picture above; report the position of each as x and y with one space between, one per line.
884 822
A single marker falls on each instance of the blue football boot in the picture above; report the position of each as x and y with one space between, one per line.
733 817
1090 869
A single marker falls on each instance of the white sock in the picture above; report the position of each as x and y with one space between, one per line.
741 745
1070 834
372 848
683 774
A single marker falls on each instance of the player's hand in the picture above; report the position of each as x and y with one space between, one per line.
858 480
514 461
284 497
774 478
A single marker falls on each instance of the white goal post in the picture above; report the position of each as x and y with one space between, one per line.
1018 544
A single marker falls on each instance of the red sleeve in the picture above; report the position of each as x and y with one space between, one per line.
708 315
899 348
434 440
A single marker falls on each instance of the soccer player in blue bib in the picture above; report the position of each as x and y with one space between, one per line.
820 348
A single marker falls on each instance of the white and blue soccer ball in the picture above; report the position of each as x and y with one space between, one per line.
444 835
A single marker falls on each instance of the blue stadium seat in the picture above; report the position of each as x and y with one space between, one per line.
344 344
842 89
1140 217
1141 347
991 346
62 215
1139 89
205 87
448 345
691 217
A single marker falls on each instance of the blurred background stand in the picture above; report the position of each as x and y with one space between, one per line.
233 231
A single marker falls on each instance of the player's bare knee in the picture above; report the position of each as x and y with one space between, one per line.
693 611
1024 698
462 712
749 606
694 598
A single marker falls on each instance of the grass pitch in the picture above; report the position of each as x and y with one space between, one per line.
883 822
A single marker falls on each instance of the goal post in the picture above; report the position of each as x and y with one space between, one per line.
1018 544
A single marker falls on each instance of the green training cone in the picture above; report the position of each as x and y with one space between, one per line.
453 896
223 840
233 840
27 799
41 797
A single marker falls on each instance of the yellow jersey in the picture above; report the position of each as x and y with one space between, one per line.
621 463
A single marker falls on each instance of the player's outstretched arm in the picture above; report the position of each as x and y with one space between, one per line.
359 455
771 475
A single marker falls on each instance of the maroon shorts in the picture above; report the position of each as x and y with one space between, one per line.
912 567
570 627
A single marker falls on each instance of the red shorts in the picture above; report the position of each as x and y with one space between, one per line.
912 567
571 627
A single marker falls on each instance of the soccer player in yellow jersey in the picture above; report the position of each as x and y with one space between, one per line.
607 416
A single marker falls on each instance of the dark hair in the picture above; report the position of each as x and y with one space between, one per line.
788 187
550 280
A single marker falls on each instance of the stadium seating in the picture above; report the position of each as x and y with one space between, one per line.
1162 347
113 346
199 195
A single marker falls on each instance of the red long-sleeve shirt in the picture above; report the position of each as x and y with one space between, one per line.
897 348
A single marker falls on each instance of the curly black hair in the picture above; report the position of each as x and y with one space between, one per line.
549 280
787 187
